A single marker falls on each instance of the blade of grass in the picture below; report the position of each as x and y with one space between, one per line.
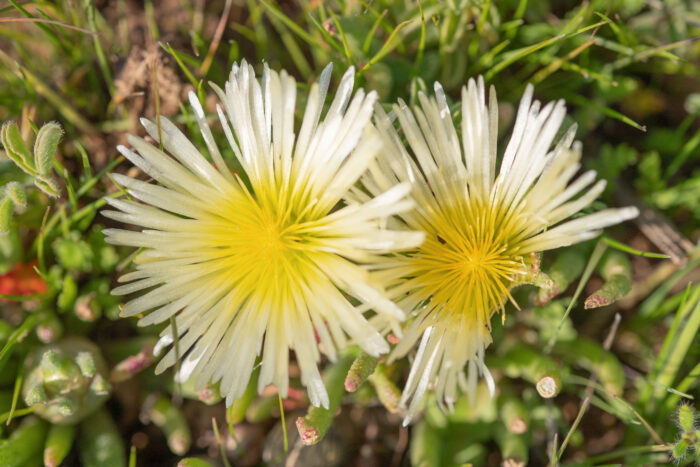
292 48
259 37
649 391
18 298
87 170
607 344
602 390
18 413
370 34
47 21
224 457
330 39
654 51
624 452
341 32
89 183
684 385
633 251
475 40
101 57
194 81
52 35
556 64
232 433
293 26
486 60
387 47
681 344
515 55
15 393
39 242
149 13
27 325
74 217
596 255
421 43
584 102
284 425
54 99
688 149
218 33
650 307
574 426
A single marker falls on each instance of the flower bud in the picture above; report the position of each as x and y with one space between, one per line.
67 378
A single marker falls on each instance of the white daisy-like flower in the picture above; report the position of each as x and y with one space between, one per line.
481 220
255 264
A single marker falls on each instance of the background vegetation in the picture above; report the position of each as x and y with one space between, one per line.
76 382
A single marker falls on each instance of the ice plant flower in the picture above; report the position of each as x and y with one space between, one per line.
482 220
271 259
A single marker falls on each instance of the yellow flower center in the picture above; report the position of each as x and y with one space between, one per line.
465 267
266 240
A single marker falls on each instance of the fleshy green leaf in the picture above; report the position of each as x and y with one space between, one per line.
47 185
15 147
685 417
45 146
680 449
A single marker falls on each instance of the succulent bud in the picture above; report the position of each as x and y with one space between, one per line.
50 329
527 363
87 308
361 368
313 427
616 269
68 377
58 444
86 363
99 441
514 447
209 393
567 266
389 395
133 364
514 415
170 419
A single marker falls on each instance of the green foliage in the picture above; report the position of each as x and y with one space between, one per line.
623 67
66 381
5 216
45 146
100 443
689 439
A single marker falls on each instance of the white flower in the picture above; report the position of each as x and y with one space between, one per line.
257 263
480 224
